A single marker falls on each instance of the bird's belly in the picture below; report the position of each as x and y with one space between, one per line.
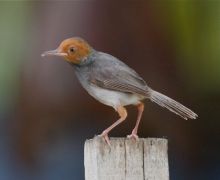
113 98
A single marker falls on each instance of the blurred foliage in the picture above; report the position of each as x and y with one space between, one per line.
194 29
196 34
13 35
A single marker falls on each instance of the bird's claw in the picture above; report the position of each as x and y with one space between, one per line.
133 136
105 138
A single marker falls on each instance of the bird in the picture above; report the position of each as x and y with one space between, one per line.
113 83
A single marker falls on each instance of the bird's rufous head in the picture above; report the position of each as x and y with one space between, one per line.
74 50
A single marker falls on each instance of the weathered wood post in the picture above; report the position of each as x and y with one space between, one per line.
126 159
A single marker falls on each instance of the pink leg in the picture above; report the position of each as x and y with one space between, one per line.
123 114
135 130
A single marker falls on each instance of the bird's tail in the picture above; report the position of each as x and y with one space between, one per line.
172 105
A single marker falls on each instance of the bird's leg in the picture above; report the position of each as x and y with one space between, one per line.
135 130
123 114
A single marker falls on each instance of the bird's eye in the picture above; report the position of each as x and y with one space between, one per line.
72 49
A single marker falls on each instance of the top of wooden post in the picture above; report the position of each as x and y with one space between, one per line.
126 159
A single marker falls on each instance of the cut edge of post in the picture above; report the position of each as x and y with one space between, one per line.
125 138
100 159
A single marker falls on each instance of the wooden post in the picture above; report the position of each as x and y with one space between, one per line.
126 159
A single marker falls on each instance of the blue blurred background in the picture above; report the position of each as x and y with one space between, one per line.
45 115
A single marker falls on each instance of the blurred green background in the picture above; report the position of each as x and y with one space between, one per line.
45 115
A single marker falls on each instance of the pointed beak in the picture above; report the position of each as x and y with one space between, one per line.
55 52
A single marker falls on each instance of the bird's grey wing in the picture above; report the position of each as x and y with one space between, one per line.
118 85
114 75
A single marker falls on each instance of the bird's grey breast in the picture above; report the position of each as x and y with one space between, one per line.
83 75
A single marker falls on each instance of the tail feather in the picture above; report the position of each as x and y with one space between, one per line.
172 105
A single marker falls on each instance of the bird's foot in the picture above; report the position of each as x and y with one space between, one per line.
105 137
133 135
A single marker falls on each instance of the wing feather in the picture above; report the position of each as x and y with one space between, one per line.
121 86
109 73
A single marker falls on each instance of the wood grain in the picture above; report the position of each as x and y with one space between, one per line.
126 159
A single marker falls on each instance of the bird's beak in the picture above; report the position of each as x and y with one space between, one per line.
55 52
